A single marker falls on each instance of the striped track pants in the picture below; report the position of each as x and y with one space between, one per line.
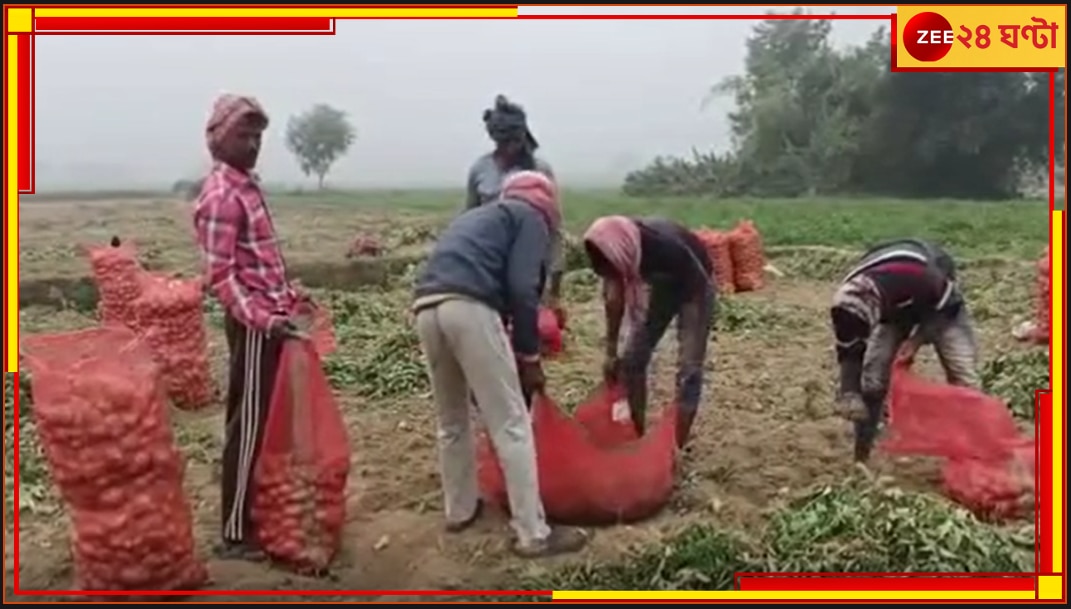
254 359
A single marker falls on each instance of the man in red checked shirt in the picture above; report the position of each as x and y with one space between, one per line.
244 270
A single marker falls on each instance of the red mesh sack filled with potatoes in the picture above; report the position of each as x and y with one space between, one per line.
170 316
720 253
299 482
103 422
117 273
749 259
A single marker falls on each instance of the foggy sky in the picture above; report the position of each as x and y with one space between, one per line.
603 97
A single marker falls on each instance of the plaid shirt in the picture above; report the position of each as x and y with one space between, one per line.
243 265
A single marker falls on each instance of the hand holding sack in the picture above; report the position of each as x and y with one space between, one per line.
592 468
103 423
170 314
316 321
299 482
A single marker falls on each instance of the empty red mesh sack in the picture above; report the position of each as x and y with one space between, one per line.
1044 300
117 272
170 316
103 422
299 493
720 253
989 462
602 475
551 336
749 259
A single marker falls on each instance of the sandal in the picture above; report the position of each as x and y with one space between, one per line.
562 540
457 527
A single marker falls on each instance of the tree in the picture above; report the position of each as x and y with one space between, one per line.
814 119
319 137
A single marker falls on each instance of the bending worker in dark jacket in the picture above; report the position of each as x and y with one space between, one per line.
630 255
900 294
490 263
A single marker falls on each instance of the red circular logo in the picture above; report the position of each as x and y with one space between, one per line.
928 37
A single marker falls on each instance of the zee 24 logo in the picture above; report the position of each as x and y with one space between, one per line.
929 36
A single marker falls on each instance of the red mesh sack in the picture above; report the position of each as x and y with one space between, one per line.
116 271
170 315
1044 300
940 420
299 494
321 327
550 332
103 423
720 253
993 490
989 462
586 481
606 418
749 260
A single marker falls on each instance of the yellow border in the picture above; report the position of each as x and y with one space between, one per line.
1049 585
11 222
1057 224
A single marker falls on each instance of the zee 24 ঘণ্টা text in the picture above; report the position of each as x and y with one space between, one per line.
980 36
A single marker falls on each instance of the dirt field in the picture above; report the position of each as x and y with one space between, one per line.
765 429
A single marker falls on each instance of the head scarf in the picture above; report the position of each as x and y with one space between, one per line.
537 190
228 111
860 298
506 122
618 239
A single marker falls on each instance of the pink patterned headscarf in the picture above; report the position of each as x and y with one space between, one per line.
228 111
537 190
618 238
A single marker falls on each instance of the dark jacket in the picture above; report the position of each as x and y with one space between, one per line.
916 279
495 254
673 259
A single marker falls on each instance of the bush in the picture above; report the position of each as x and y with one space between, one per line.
1015 377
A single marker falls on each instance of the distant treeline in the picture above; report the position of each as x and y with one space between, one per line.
810 119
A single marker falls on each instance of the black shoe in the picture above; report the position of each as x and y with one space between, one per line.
236 550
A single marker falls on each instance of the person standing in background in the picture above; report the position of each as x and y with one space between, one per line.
515 146
244 270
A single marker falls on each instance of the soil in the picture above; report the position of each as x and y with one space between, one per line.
765 431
